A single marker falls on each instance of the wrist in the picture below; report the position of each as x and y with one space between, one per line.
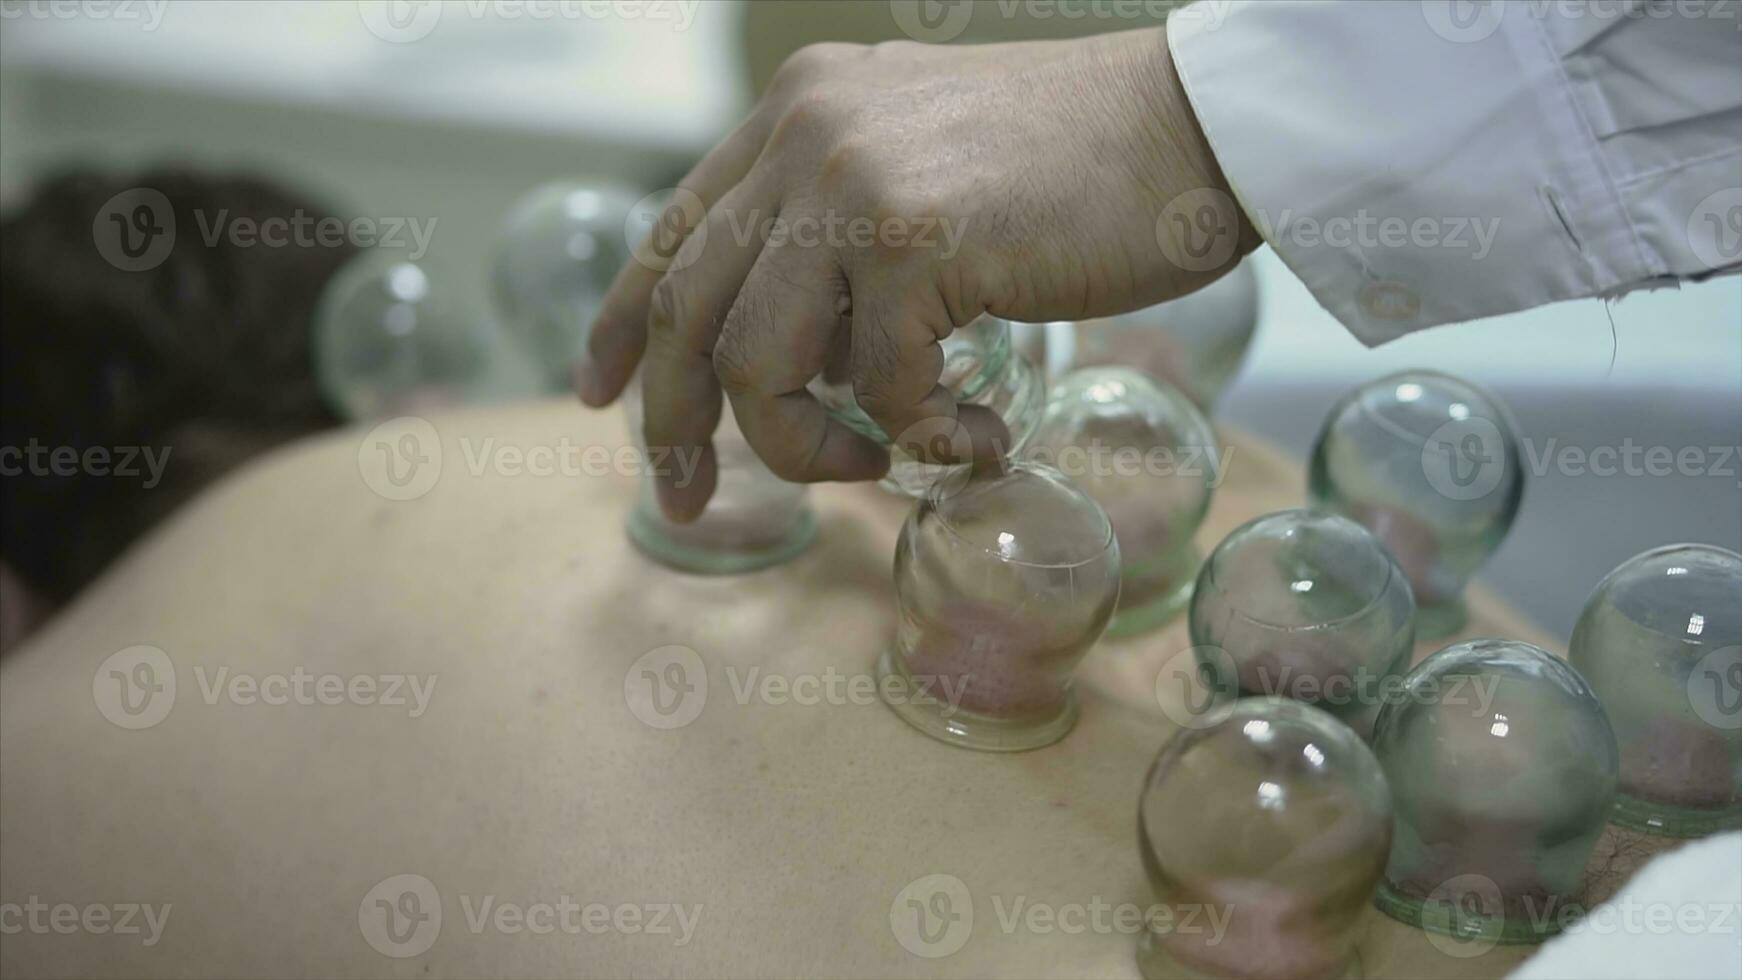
1173 155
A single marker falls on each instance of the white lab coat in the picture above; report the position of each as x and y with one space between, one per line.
1418 163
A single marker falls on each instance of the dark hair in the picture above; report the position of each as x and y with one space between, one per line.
205 355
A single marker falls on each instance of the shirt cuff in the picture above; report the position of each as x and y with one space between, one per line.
1411 167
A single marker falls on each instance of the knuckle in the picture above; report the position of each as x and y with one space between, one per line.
811 117
897 49
812 61
789 462
666 306
853 162
900 202
732 366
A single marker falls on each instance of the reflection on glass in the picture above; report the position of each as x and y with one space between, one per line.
1003 583
1194 343
1273 818
553 259
1148 457
1660 641
981 367
754 519
1306 605
1430 464
387 342
1502 768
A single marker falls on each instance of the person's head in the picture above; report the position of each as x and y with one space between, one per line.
123 391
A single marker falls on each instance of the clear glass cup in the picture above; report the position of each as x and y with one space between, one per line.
1195 343
1273 818
1430 464
1660 642
754 520
387 343
553 259
981 367
1306 605
1502 767
1149 458
1003 582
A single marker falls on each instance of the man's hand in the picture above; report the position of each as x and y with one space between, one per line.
878 198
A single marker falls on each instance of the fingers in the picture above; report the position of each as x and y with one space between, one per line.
680 395
897 362
618 335
775 339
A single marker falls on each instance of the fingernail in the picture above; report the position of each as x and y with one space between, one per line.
588 384
684 492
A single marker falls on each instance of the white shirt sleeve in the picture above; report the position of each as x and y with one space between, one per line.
1418 163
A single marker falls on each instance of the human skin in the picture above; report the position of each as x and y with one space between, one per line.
1056 163
794 823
